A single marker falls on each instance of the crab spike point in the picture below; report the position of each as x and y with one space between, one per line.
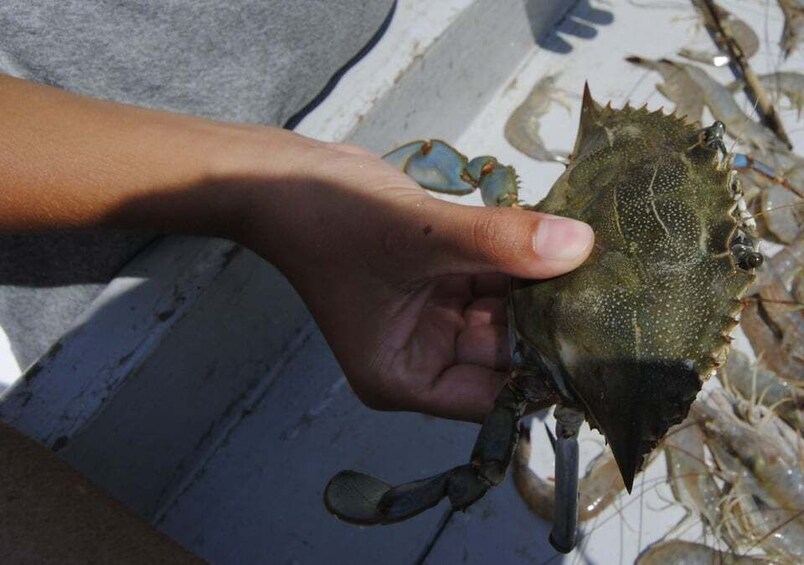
589 129
589 107
628 462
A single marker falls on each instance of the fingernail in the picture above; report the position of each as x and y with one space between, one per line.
561 239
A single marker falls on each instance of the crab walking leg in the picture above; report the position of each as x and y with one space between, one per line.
597 489
439 167
365 500
565 520
747 162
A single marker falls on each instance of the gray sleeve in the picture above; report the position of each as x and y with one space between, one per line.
255 61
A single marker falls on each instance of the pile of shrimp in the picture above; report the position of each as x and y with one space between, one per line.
736 464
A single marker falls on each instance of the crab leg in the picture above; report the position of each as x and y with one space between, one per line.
597 490
745 162
565 519
362 499
437 166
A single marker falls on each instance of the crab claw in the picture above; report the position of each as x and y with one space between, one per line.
439 167
434 165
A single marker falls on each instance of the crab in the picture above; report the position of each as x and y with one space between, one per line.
624 341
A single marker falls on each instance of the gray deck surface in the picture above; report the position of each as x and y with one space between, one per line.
258 499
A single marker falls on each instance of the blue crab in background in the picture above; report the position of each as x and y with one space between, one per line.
624 341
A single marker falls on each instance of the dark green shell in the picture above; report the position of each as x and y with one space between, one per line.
635 329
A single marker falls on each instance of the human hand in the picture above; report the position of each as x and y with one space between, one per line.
409 290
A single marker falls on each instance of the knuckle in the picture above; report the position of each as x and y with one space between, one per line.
488 237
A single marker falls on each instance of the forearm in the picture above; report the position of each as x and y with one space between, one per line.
68 161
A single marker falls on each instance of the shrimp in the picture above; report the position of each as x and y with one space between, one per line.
788 84
758 468
597 489
689 553
774 466
782 213
793 25
741 31
677 87
692 483
773 318
720 102
757 383
522 127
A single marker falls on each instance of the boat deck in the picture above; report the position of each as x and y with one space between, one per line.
225 442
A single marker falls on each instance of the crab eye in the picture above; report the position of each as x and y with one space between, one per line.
746 257
753 259
712 137
744 252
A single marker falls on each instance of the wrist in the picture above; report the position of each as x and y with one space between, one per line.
286 188
209 178
254 182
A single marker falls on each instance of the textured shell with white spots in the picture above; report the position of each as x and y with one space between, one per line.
634 331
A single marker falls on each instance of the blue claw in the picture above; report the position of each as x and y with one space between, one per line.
438 167
434 165
498 184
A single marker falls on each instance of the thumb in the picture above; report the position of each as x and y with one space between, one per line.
517 242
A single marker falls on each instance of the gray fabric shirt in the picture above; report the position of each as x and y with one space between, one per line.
255 61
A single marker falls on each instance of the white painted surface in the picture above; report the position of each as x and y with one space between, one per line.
9 368
433 71
416 26
258 498
178 401
67 387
